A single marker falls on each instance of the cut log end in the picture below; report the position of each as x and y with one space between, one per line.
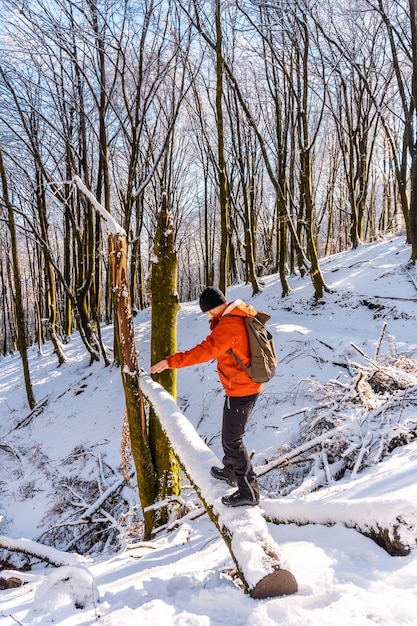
280 583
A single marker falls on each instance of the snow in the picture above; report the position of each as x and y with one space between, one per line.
183 577
112 226
65 587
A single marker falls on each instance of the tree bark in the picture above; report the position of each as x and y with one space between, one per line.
165 309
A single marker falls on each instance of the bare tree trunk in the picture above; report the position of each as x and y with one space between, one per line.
208 247
4 307
246 162
50 285
305 147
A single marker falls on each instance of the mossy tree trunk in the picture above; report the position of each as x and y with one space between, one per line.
413 212
413 199
163 343
20 313
305 149
282 250
221 160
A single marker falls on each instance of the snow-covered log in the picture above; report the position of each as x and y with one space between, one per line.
368 504
244 529
44 553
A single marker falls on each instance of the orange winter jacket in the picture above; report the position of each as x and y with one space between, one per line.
228 330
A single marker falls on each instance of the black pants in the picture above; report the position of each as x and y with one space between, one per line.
236 413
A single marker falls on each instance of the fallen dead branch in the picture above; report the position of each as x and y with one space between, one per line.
401 377
96 506
88 512
40 551
37 410
354 424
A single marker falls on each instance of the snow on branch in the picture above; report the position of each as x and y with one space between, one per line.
87 514
42 552
112 226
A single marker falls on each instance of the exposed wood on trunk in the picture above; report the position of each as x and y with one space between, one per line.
128 359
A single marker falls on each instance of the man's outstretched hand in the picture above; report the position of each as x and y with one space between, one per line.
159 367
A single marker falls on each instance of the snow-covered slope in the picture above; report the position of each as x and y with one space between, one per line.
184 577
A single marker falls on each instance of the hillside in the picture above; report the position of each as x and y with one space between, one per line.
347 366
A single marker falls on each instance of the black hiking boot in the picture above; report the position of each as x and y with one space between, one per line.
237 499
222 473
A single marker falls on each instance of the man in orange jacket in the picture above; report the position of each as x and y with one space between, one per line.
228 331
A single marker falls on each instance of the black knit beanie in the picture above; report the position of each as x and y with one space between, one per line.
210 298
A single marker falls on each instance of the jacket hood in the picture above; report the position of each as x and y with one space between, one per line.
238 307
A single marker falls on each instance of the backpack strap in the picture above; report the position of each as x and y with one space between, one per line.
236 358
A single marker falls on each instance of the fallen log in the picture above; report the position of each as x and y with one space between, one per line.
388 517
243 529
40 551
